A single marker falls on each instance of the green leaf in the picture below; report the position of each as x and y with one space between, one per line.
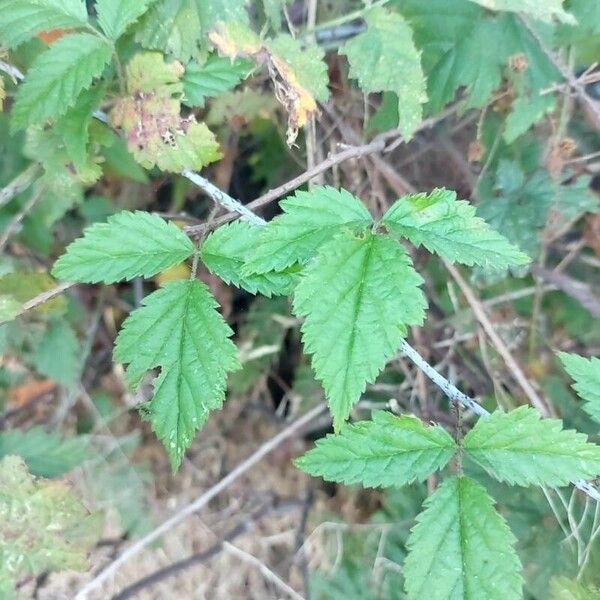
586 373
58 354
225 252
46 454
461 548
44 527
215 76
387 451
179 330
358 296
22 19
476 54
128 245
21 287
521 448
260 340
58 76
9 308
384 58
73 127
562 588
172 26
450 228
115 16
309 220
150 118
526 111
544 10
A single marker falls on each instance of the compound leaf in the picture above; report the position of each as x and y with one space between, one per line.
22 19
58 76
225 251
521 448
450 228
309 219
386 451
384 58
46 454
461 547
128 245
114 16
179 330
586 373
358 296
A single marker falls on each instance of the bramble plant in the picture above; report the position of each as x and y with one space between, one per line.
125 86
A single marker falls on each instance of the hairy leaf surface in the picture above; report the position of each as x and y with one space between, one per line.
586 373
179 330
22 19
309 219
226 250
115 16
386 451
450 228
521 448
58 76
461 548
358 296
384 58
128 245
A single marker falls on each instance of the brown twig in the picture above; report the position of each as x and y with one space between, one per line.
485 322
200 502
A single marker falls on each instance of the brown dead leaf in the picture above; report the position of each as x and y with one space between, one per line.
21 395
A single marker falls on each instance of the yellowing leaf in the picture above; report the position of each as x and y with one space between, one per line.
299 75
150 117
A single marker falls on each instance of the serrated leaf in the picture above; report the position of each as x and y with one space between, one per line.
179 330
384 58
526 111
43 526
358 296
545 10
476 54
521 448
386 451
450 228
57 77
22 19
225 252
115 16
45 453
461 548
298 72
151 121
58 354
586 373
128 245
172 26
215 76
309 220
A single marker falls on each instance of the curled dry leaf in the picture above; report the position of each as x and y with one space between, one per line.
290 75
